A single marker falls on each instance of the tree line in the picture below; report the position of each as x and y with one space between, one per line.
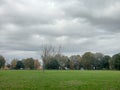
87 61
28 64
53 59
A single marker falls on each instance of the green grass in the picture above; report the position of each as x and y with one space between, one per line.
59 80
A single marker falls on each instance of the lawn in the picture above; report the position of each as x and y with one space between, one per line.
59 80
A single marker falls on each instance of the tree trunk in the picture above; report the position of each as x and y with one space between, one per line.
43 66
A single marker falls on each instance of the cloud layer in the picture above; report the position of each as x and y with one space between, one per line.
77 25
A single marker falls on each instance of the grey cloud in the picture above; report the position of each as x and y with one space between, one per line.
77 25
100 13
26 13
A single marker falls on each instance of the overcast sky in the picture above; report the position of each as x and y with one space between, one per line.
77 25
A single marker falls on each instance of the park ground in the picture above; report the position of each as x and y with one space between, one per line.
59 80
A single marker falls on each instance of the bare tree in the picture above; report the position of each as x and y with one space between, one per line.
45 52
48 51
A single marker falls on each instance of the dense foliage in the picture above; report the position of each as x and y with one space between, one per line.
2 62
88 61
28 63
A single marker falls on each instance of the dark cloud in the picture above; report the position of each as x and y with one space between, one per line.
99 13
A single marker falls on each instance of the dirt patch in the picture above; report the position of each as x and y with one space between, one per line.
72 83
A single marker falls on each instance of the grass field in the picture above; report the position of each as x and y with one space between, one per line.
59 80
